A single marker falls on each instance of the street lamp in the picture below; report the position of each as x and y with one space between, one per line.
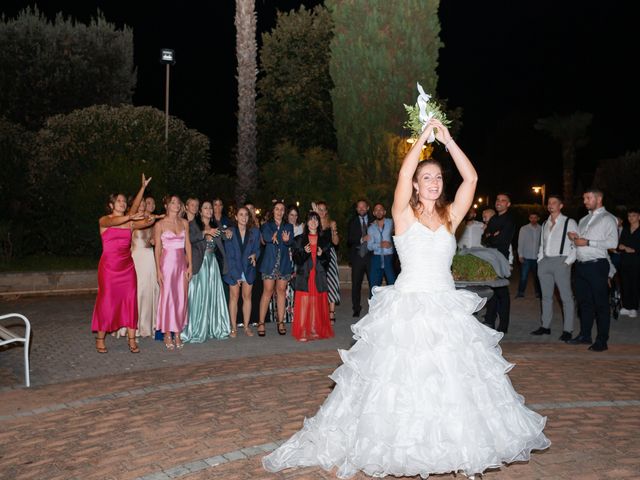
168 58
540 189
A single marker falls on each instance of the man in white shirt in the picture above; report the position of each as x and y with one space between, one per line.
528 246
597 232
555 257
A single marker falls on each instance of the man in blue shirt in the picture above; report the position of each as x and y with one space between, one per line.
381 245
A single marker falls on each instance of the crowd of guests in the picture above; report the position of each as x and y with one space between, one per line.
188 275
193 274
583 260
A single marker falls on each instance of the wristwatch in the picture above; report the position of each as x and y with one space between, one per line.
588 243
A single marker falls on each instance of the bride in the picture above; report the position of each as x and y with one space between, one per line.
424 390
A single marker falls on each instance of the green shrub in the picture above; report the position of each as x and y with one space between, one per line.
84 156
55 67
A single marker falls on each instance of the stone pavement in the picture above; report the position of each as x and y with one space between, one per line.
212 410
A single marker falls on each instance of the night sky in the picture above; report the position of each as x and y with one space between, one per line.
505 63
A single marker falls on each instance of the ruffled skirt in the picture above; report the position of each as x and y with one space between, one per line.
423 391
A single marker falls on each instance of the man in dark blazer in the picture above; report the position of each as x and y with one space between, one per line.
359 255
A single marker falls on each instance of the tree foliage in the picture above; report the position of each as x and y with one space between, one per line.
570 131
295 100
379 51
306 176
56 67
84 156
619 179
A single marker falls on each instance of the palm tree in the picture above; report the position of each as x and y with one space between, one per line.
570 131
246 51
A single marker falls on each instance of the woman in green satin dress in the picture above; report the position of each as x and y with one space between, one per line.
208 311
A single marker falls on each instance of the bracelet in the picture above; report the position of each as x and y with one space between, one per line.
448 142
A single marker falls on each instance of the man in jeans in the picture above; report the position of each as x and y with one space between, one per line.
528 246
381 246
555 257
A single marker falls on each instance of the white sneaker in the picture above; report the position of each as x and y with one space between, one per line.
624 311
633 313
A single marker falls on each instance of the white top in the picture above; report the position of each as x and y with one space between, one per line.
426 257
552 239
529 241
601 229
471 235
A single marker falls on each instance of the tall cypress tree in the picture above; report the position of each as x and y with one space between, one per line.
295 100
379 51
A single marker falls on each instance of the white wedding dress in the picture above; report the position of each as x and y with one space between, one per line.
424 389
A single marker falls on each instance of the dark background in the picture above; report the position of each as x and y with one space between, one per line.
505 63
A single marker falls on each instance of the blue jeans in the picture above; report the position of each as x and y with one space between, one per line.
529 264
381 266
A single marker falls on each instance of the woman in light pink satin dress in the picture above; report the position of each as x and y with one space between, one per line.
173 260
116 304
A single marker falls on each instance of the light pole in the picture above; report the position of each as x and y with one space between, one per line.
168 58
540 189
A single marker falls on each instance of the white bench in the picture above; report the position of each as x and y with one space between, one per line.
9 336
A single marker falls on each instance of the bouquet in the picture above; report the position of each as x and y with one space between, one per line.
419 115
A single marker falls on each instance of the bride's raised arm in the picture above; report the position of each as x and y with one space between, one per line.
401 211
464 196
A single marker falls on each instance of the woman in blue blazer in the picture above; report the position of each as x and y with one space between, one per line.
276 265
242 249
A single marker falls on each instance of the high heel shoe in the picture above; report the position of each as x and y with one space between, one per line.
133 345
261 330
101 347
282 330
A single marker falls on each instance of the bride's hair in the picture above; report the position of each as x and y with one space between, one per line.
442 206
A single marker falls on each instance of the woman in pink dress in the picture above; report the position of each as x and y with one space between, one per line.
173 260
116 304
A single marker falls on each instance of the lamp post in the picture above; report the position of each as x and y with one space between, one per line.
540 189
168 58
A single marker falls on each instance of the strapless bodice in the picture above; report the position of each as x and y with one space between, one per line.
426 257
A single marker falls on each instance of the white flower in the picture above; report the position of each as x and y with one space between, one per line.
425 116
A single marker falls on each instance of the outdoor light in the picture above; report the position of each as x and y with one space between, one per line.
475 205
167 56
479 199
540 189
257 211
297 203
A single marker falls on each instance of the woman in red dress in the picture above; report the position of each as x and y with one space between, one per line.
311 306
116 304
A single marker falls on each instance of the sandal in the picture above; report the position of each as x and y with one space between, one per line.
168 345
332 317
180 345
233 333
133 347
282 330
247 330
261 330
101 348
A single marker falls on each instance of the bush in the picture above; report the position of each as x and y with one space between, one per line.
84 156
15 150
55 67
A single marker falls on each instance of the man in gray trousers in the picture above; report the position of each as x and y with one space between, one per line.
555 257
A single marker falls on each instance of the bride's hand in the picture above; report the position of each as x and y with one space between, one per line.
441 132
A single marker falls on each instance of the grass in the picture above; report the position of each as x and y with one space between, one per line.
46 263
